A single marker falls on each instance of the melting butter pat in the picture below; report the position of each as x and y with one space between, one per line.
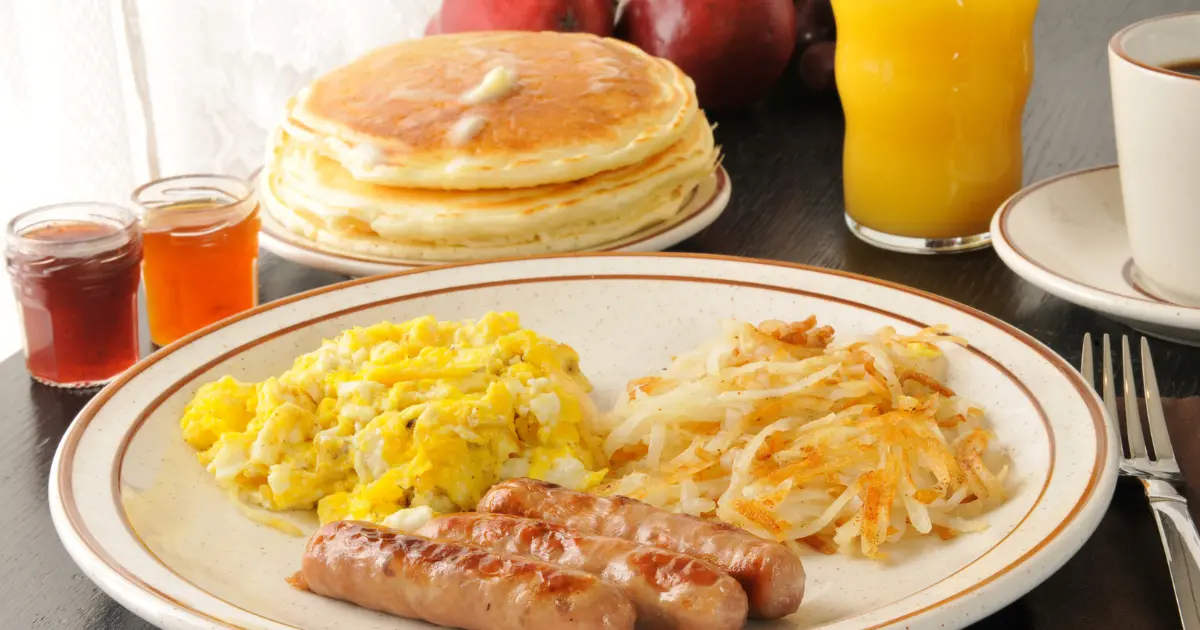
496 84
465 129
367 155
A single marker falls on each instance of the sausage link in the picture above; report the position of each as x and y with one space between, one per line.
455 585
771 574
670 591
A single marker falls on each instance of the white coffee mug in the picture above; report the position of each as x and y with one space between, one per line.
1156 111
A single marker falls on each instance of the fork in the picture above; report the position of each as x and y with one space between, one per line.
1159 474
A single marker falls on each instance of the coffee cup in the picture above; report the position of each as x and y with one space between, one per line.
1155 71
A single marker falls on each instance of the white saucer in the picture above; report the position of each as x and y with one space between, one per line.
707 203
1067 236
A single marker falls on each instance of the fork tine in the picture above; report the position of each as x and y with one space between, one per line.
1159 438
1085 362
1110 388
1133 419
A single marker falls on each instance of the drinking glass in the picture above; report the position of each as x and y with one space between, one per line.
933 92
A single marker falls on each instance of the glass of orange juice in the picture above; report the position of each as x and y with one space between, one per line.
200 251
933 92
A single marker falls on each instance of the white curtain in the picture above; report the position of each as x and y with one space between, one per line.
98 96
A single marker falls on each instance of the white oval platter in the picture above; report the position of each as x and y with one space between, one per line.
144 521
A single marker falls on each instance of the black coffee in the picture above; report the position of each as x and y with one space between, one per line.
1190 67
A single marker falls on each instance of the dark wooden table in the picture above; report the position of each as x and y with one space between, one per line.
785 162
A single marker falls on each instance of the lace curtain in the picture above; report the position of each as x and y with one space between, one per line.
97 96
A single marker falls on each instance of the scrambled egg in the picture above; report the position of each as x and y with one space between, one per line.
395 422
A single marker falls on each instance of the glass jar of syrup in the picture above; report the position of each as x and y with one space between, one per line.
75 270
200 234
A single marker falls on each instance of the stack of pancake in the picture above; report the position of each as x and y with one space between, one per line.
480 145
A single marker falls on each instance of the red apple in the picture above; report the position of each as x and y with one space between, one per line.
735 50
434 26
586 16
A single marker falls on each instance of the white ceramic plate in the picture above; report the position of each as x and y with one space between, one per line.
1067 236
144 521
707 203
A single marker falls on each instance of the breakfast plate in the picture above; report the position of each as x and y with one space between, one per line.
1067 236
707 203
146 523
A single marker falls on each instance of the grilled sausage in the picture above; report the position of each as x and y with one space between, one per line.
670 591
455 585
771 574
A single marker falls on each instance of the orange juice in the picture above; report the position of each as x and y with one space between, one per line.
933 92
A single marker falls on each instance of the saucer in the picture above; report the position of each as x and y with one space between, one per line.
1067 236
707 203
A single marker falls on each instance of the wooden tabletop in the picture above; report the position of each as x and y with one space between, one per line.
785 161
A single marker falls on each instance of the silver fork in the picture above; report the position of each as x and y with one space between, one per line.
1159 474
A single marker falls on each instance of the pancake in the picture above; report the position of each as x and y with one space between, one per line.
352 236
323 189
493 110
442 226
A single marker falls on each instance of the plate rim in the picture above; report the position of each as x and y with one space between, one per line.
285 244
1103 300
1092 502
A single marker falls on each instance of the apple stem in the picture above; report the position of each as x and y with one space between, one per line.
568 23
